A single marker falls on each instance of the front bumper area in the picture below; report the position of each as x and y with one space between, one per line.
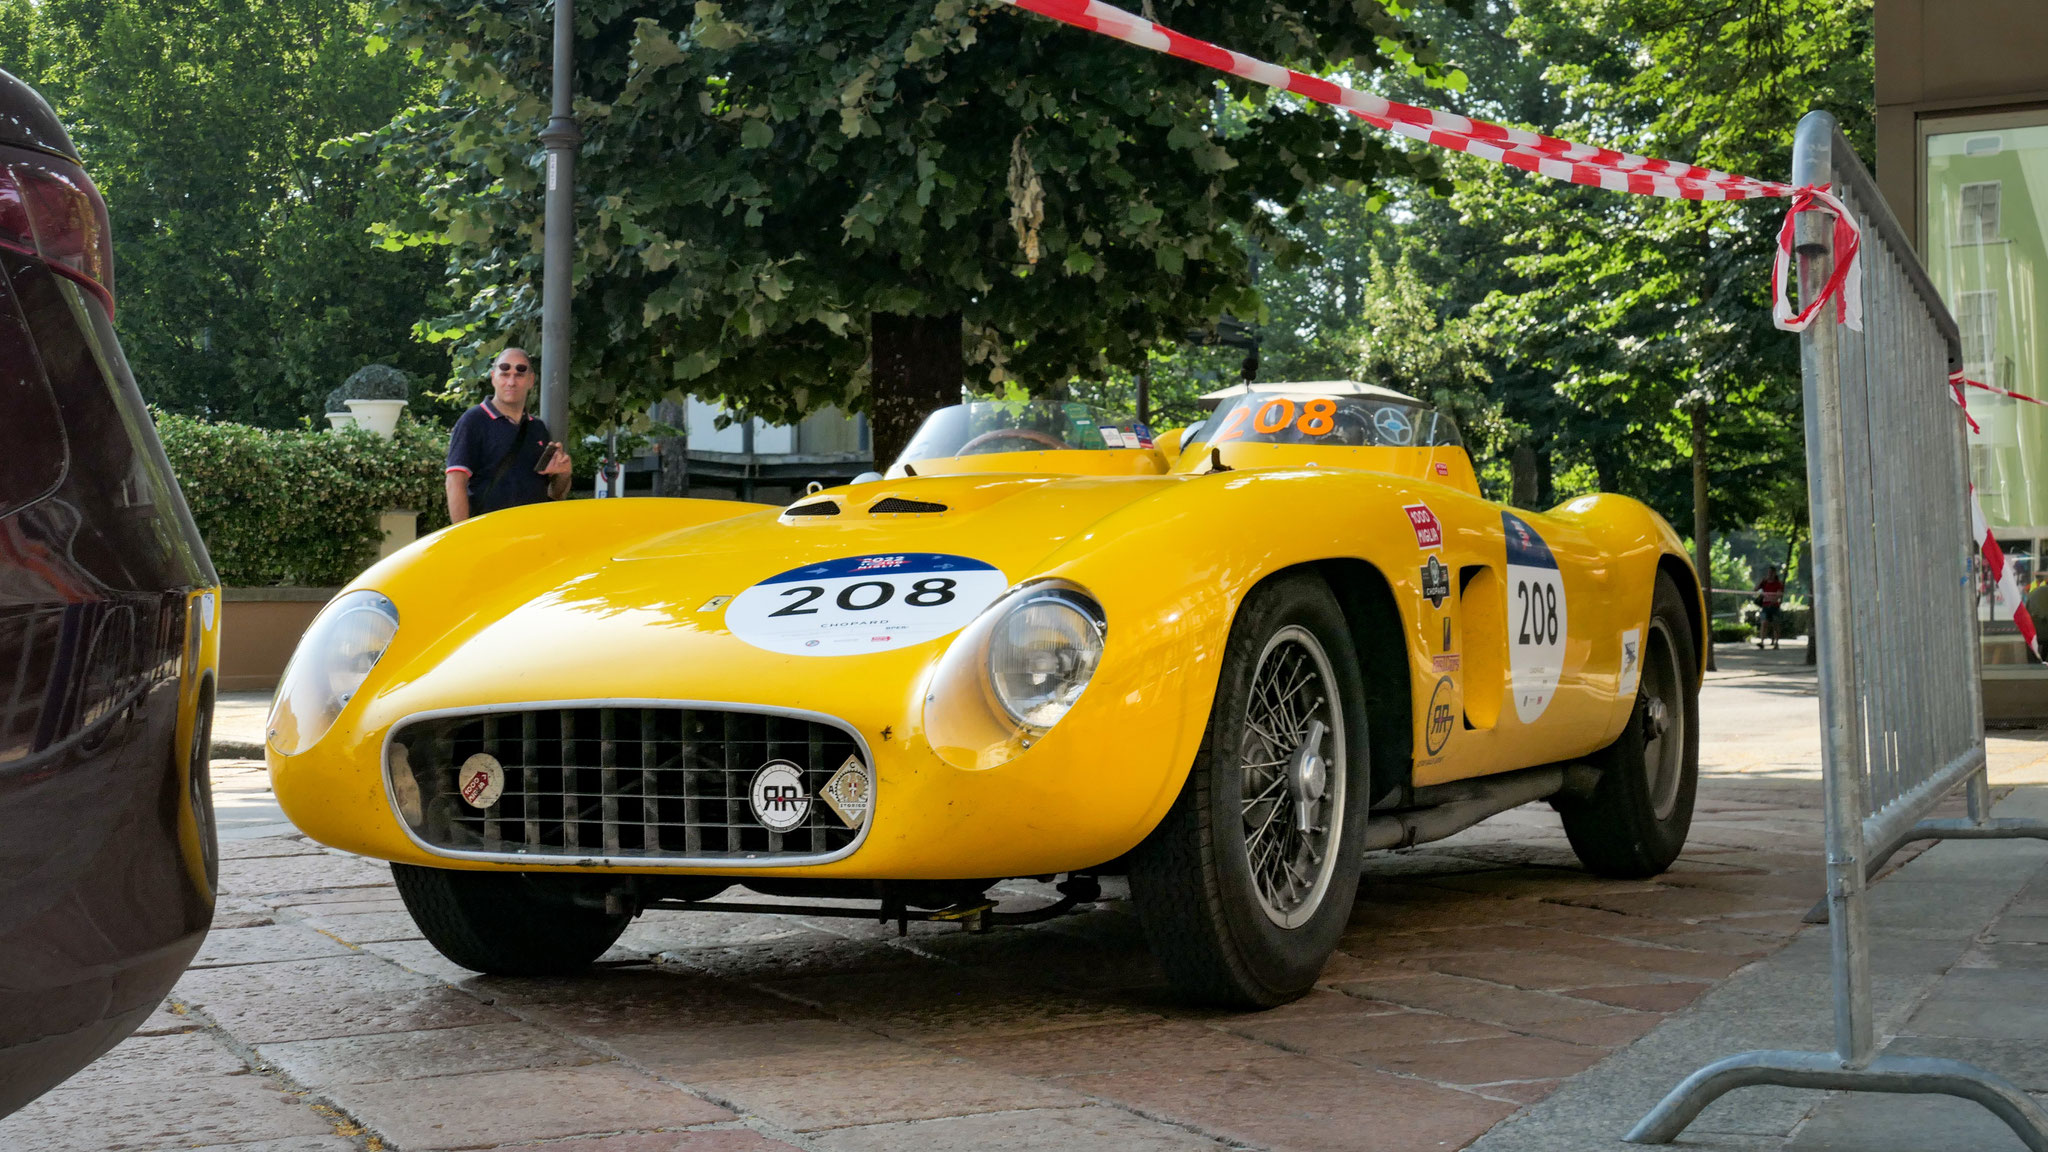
1084 795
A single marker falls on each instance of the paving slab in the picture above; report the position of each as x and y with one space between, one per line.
150 1112
1093 1129
815 1099
484 1109
434 1052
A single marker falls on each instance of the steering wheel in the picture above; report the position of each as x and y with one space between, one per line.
1394 427
993 434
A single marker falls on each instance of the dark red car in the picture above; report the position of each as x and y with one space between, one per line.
108 642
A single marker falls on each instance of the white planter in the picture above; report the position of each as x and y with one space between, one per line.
339 420
379 416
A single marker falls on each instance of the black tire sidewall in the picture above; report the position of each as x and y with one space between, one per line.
506 923
1284 961
1616 831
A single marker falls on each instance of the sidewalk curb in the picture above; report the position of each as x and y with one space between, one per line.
235 750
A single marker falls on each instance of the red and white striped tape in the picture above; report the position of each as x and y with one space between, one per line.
1530 151
2005 590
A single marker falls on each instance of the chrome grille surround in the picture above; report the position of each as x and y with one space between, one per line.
703 757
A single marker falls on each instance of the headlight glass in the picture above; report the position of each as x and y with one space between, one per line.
1042 654
333 659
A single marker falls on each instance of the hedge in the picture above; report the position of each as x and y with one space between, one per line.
301 507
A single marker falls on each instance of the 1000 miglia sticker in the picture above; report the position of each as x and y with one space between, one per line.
864 603
1536 619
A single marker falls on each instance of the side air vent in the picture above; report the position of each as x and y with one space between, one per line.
816 508
897 506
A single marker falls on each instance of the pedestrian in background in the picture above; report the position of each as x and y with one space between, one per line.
500 457
1770 598
2037 608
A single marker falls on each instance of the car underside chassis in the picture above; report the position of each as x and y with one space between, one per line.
540 924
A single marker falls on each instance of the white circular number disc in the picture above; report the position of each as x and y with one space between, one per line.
864 603
482 780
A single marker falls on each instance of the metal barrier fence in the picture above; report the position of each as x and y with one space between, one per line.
1901 716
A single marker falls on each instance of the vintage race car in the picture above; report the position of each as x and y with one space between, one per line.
1226 663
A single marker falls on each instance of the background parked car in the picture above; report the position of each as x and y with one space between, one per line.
108 641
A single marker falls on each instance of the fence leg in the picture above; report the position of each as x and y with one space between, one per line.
1979 795
1986 827
1907 1074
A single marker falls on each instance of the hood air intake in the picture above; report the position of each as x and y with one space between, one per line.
897 506
816 508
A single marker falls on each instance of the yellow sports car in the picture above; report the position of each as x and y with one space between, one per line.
1227 663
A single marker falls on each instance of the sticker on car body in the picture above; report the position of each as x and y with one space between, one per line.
864 603
1631 662
1442 716
1429 531
1537 619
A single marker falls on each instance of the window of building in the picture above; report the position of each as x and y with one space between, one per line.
1977 316
1977 220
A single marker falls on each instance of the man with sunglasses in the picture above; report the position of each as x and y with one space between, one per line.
500 457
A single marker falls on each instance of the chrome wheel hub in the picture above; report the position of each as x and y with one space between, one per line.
1662 702
1307 777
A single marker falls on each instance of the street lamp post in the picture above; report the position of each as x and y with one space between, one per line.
561 138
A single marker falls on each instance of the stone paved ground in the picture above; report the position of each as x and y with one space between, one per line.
1478 975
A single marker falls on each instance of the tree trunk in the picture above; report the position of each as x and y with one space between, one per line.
1703 552
1522 475
674 477
1812 599
916 366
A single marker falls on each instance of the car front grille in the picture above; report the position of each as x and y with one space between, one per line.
659 783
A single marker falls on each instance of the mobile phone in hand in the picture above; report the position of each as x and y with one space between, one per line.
548 452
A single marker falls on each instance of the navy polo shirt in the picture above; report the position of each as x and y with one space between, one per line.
481 439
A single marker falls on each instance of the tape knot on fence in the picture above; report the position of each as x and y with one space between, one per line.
1845 282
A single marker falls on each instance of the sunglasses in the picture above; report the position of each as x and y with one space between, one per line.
515 369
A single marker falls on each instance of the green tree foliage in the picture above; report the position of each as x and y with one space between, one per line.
247 283
767 184
1641 310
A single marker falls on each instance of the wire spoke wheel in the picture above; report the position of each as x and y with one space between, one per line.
1290 760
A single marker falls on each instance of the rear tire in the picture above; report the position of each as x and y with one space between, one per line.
506 923
1241 907
1635 822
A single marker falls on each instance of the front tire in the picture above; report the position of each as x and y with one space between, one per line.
1635 823
1246 884
506 923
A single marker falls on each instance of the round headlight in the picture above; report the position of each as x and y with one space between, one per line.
1042 654
333 659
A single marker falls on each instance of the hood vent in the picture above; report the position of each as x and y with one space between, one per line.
816 508
898 506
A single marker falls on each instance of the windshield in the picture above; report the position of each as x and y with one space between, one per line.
987 426
1336 421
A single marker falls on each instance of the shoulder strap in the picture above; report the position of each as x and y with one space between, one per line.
504 463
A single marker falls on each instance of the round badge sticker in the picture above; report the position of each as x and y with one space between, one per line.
778 796
864 603
482 780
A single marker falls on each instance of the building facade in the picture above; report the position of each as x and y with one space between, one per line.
1962 157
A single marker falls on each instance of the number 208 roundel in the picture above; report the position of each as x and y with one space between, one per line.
1010 655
